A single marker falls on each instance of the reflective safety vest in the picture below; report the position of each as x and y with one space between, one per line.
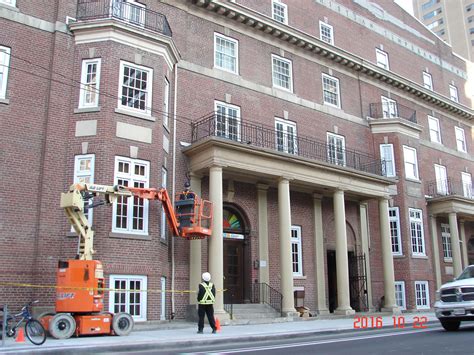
208 297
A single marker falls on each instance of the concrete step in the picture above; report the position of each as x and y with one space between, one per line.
254 313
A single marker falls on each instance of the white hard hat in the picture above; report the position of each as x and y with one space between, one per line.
206 276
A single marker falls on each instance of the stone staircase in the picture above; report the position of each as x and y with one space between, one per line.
255 313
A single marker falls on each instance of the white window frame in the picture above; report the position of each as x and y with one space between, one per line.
163 298
422 295
333 140
4 67
410 163
286 137
331 89
427 81
389 107
132 178
84 176
435 129
453 93
125 10
382 59
417 234
279 76
400 296
164 223
447 242
326 32
227 125
278 17
8 2
128 295
166 104
387 156
395 234
88 87
148 91
466 180
441 176
460 139
234 59
296 251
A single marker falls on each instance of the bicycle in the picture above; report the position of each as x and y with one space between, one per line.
34 330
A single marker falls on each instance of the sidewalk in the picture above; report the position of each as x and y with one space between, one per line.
184 334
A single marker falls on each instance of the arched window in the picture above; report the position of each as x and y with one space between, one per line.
233 224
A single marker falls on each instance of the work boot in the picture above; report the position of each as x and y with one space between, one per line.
200 331
213 331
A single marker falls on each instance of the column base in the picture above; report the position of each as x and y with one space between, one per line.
291 313
392 309
345 311
322 312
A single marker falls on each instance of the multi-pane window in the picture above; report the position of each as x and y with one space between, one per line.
442 183
280 11
227 121
388 160
326 32
129 295
336 149
164 182
4 65
296 251
427 81
331 95
411 163
130 11
90 80
84 173
382 58
166 104
131 213
282 73
466 179
226 53
446 238
389 107
453 93
460 139
422 295
416 232
135 87
435 131
394 220
400 294
285 132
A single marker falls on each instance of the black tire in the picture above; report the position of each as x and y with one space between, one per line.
122 324
35 332
450 325
62 326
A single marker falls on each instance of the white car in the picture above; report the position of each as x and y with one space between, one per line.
455 301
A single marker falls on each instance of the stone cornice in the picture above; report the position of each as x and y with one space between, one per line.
311 44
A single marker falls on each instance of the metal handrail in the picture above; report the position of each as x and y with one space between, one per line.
229 307
391 110
264 293
449 187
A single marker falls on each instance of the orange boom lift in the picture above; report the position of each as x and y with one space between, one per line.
80 281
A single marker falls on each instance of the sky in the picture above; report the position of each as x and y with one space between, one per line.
406 4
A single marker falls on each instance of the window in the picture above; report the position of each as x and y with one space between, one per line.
8 2
400 294
331 95
427 81
389 107
336 149
453 93
422 295
130 11
227 121
280 11
441 180
416 231
388 161
90 80
164 182
428 4
382 59
163 298
435 24
133 297
411 163
394 220
432 14
285 136
466 179
326 32
135 88
435 132
296 251
226 53
446 238
4 66
166 104
282 73
460 139
84 174
131 213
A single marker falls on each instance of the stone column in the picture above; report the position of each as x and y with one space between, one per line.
364 230
390 303
319 251
453 227
194 250
342 263
263 270
462 232
435 242
286 268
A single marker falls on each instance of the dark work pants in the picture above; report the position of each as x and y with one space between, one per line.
209 310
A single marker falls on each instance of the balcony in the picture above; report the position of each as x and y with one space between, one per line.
449 188
132 14
381 110
284 142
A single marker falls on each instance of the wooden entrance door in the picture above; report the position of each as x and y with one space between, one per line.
234 271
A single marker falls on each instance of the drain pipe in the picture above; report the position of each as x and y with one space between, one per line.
173 185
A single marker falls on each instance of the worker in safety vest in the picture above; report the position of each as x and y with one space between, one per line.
206 299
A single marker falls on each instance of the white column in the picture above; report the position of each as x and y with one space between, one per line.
462 232
263 270
364 229
342 263
194 250
435 242
453 227
319 251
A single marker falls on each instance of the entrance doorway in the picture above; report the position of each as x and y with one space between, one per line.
332 280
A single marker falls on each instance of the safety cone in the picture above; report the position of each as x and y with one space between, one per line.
20 338
218 324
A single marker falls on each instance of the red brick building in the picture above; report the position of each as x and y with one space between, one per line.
333 137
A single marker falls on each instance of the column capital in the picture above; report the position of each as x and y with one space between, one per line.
216 167
317 196
433 215
261 186
384 197
284 179
195 175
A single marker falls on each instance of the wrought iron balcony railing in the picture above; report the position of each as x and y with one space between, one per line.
449 187
284 141
135 14
391 110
